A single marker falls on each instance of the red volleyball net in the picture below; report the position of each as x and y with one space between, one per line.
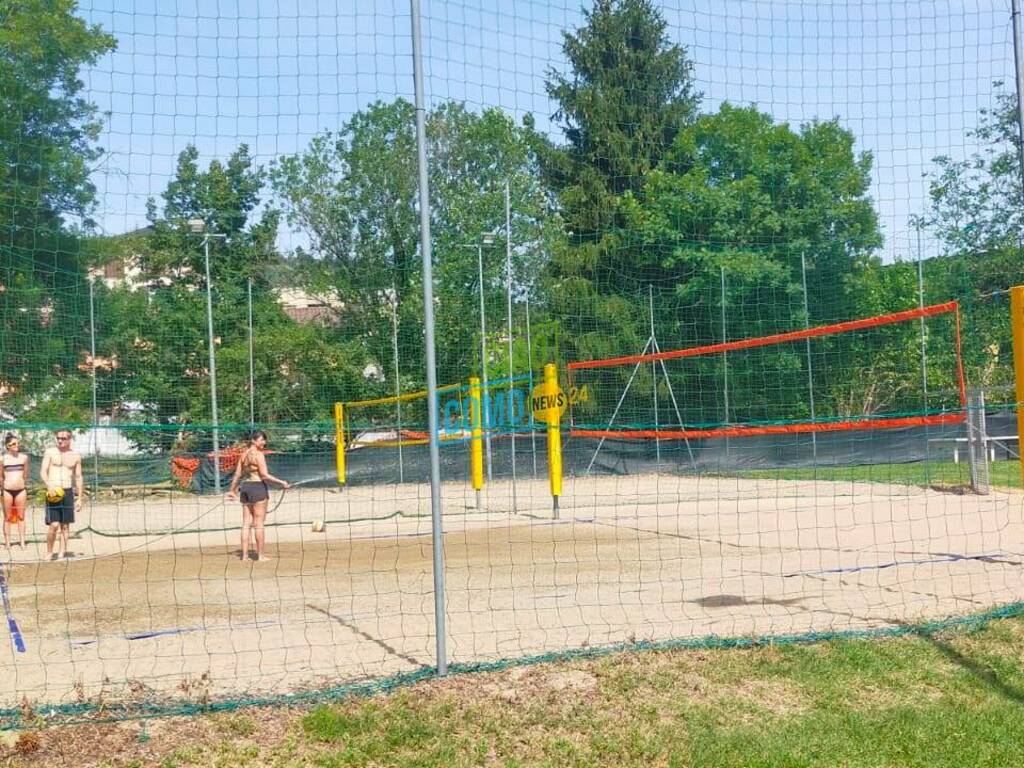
888 371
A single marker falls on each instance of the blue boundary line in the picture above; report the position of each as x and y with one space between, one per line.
896 564
12 625
148 635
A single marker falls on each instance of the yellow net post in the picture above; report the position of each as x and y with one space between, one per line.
1017 323
553 414
476 444
339 439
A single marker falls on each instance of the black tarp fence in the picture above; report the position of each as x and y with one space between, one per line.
314 465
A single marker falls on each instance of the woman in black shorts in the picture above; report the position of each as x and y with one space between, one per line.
249 485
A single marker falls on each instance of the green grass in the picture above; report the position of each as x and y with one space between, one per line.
949 700
1002 474
955 698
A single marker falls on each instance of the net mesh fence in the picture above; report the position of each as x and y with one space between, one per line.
768 248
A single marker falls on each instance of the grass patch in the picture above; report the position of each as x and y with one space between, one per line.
949 699
1002 474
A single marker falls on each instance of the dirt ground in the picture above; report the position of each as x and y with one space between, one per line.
155 599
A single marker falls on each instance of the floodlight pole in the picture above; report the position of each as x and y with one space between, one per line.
485 396
95 412
810 371
213 366
511 384
398 384
440 631
198 227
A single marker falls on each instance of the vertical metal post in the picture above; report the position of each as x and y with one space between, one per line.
428 322
725 364
398 386
485 401
529 370
252 367
810 371
508 289
1018 61
213 367
95 411
924 351
654 375
920 305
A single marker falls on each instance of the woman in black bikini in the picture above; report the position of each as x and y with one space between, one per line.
249 485
13 471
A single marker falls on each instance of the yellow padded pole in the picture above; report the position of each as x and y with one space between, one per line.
554 413
476 443
1017 323
339 439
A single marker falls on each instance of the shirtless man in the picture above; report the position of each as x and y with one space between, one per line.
62 468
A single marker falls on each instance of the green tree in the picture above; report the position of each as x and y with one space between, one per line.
740 194
353 195
48 134
159 335
976 212
627 94
48 131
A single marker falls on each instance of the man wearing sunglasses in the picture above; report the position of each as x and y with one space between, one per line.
62 473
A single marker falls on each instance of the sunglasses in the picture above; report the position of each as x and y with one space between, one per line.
63 439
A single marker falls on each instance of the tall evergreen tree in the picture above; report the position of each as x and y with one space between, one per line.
628 94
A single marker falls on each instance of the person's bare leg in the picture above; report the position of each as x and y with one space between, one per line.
259 515
246 527
51 538
21 527
65 530
6 503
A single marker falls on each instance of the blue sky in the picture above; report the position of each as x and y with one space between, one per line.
908 78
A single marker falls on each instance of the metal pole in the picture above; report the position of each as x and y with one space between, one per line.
95 412
1018 61
654 375
213 368
508 290
428 322
622 399
398 386
485 397
252 369
920 304
810 373
725 364
529 369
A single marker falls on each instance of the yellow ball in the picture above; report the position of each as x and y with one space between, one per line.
55 496
318 526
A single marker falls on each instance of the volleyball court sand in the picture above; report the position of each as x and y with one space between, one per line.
176 613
